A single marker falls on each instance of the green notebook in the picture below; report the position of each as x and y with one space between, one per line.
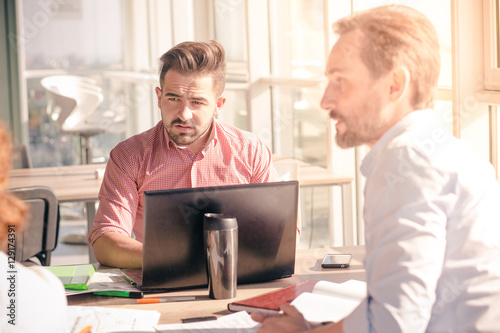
74 277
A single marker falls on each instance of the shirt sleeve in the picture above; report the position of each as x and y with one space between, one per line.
118 196
264 170
406 207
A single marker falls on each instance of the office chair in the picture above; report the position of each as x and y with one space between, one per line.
38 238
72 100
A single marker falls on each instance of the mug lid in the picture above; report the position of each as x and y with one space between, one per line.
215 221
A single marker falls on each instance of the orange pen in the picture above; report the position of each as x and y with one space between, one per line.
86 329
150 300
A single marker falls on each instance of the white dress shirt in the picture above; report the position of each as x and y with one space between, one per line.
432 230
31 299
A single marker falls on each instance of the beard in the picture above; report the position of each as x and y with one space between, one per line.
185 139
345 137
347 140
358 131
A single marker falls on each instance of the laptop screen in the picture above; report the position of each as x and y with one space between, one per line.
174 255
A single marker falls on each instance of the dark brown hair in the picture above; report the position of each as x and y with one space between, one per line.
196 58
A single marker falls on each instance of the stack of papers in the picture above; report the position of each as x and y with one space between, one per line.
106 280
240 321
82 279
107 320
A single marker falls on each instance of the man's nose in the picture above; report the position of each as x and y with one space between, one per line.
328 102
185 114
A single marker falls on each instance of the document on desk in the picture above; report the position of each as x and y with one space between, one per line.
74 277
106 280
239 320
330 301
106 320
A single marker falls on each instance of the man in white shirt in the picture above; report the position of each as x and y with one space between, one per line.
432 207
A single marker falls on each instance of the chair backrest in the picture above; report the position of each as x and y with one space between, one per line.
72 99
38 238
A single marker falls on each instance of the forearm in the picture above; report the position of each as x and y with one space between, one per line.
117 250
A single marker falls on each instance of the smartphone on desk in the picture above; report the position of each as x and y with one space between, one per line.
336 261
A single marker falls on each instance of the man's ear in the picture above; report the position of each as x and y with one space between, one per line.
158 94
400 83
220 103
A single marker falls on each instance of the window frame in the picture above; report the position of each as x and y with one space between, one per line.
491 43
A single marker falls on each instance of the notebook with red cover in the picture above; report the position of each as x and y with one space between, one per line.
272 301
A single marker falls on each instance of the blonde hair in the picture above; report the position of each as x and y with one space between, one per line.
12 210
397 35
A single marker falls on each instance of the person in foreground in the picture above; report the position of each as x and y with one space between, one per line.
31 299
432 212
187 148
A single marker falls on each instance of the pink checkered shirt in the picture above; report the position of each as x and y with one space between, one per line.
152 161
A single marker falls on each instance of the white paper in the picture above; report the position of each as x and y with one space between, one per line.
352 289
106 320
330 301
237 322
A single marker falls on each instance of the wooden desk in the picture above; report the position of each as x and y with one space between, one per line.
70 183
307 267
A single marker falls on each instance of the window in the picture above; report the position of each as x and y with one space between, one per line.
230 28
79 38
491 10
106 42
276 53
297 30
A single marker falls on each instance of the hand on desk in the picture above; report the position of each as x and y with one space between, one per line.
291 321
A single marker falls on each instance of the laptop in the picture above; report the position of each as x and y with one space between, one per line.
173 250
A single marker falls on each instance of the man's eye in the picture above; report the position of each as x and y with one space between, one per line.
338 82
173 99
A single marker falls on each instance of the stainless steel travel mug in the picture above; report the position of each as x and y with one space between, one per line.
221 246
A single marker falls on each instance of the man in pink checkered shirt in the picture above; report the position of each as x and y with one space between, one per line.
188 148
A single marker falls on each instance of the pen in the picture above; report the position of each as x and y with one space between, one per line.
86 329
119 293
165 299
196 319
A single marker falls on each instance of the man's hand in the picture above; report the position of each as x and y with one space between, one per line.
290 321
